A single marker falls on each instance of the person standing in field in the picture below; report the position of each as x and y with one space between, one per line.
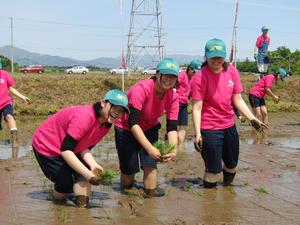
214 89
262 44
62 145
260 89
6 107
184 91
135 133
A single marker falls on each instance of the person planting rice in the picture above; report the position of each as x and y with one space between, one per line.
62 145
260 89
135 134
214 89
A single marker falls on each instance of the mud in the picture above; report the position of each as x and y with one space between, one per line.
265 191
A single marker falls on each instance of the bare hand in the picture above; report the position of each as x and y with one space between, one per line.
96 170
198 145
27 100
276 99
258 125
155 154
169 156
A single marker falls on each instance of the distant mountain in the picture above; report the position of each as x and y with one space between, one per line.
24 57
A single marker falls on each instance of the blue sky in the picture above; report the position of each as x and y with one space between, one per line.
188 24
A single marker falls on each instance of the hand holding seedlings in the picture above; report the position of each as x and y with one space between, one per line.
166 150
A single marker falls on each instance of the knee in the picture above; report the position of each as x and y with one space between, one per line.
9 118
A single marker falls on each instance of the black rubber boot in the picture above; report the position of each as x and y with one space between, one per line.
207 184
156 192
228 178
81 201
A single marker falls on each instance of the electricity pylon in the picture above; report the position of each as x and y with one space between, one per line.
145 33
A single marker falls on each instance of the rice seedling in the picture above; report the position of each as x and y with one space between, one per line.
164 148
262 190
106 177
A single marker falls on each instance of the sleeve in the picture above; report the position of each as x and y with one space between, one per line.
138 97
198 87
79 125
258 42
171 125
10 80
269 81
173 108
134 116
238 87
69 143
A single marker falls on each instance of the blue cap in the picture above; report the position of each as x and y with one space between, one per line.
196 65
282 72
117 97
168 66
215 48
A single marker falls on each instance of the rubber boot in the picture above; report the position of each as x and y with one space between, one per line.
14 143
156 192
209 185
81 201
228 178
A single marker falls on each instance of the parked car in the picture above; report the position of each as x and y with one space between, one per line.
77 69
118 71
33 69
150 71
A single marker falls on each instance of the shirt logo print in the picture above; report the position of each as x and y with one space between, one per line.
2 81
230 83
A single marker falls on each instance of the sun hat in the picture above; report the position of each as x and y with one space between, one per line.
264 28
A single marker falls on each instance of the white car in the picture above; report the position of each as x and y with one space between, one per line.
118 71
77 69
150 71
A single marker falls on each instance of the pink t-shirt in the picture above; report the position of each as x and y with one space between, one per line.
184 88
78 121
259 89
142 97
260 40
216 91
6 81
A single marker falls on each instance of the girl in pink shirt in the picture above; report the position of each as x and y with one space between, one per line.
6 107
62 145
135 133
260 89
214 89
184 90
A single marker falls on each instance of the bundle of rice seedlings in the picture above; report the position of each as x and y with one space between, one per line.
106 177
163 147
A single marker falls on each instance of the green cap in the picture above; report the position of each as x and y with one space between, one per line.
168 66
196 65
215 48
282 72
117 97
264 28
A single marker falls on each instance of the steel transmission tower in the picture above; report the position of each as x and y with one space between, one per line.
144 37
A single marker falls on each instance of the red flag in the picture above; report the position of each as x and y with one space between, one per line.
123 64
120 6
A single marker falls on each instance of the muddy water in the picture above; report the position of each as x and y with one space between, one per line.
265 191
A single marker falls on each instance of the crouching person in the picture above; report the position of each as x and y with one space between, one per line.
149 99
63 142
